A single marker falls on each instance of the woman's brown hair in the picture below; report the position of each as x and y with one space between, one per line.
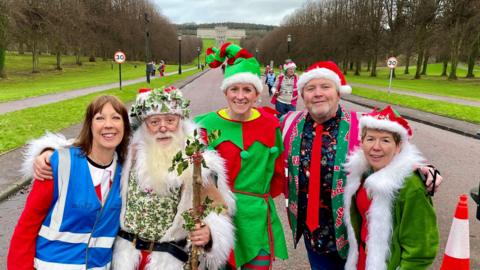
85 138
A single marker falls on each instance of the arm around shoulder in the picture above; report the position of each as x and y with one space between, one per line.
35 147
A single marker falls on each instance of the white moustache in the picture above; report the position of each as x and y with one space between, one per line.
167 134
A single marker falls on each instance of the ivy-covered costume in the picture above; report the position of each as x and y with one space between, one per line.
253 154
401 224
152 231
347 138
154 216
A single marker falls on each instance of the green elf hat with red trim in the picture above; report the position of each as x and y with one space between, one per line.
241 66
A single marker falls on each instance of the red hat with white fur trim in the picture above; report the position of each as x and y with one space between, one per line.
325 70
387 119
289 64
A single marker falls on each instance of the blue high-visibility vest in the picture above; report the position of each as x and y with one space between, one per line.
78 233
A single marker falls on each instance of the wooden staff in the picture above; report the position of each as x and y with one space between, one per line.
197 185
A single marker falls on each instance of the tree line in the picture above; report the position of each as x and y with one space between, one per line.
360 34
93 28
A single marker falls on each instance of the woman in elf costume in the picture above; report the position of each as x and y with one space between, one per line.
390 218
250 141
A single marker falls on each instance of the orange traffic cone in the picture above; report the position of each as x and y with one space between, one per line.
457 251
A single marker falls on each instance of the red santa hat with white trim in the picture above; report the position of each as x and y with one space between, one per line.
387 119
289 64
325 70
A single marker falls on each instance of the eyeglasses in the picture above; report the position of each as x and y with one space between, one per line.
166 121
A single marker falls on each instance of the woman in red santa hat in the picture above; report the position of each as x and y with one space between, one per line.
389 215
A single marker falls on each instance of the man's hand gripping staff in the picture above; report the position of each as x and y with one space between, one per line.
193 218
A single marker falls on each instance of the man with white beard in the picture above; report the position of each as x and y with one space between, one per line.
152 235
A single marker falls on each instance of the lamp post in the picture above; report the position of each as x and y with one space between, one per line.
289 39
179 53
256 53
198 57
147 47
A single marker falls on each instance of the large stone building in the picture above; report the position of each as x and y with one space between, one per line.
220 33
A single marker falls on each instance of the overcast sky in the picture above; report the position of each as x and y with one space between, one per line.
269 12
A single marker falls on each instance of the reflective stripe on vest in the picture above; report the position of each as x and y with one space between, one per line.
76 238
39 264
63 180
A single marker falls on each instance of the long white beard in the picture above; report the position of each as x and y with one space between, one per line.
154 159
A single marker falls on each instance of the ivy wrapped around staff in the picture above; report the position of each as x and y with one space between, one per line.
156 199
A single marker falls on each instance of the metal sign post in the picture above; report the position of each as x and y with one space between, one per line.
120 58
391 63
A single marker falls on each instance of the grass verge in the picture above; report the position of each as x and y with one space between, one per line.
461 112
21 83
432 84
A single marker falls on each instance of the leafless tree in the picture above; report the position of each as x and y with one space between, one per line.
30 17
95 28
461 24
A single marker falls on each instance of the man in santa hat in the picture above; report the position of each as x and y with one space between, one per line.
154 200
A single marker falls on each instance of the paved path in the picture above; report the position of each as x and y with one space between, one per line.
421 95
52 98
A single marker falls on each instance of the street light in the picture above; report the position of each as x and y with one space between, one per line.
179 53
289 39
256 53
198 57
146 20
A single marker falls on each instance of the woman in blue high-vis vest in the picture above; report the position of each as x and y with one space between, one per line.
71 222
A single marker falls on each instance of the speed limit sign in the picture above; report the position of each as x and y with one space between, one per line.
392 62
119 57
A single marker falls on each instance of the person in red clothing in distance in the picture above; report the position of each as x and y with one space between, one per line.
72 221
161 69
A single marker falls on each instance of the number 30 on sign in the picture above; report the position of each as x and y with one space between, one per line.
119 57
392 62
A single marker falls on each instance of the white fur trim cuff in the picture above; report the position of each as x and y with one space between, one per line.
245 77
36 146
222 233
371 122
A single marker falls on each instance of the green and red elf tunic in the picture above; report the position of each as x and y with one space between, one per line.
347 139
253 152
